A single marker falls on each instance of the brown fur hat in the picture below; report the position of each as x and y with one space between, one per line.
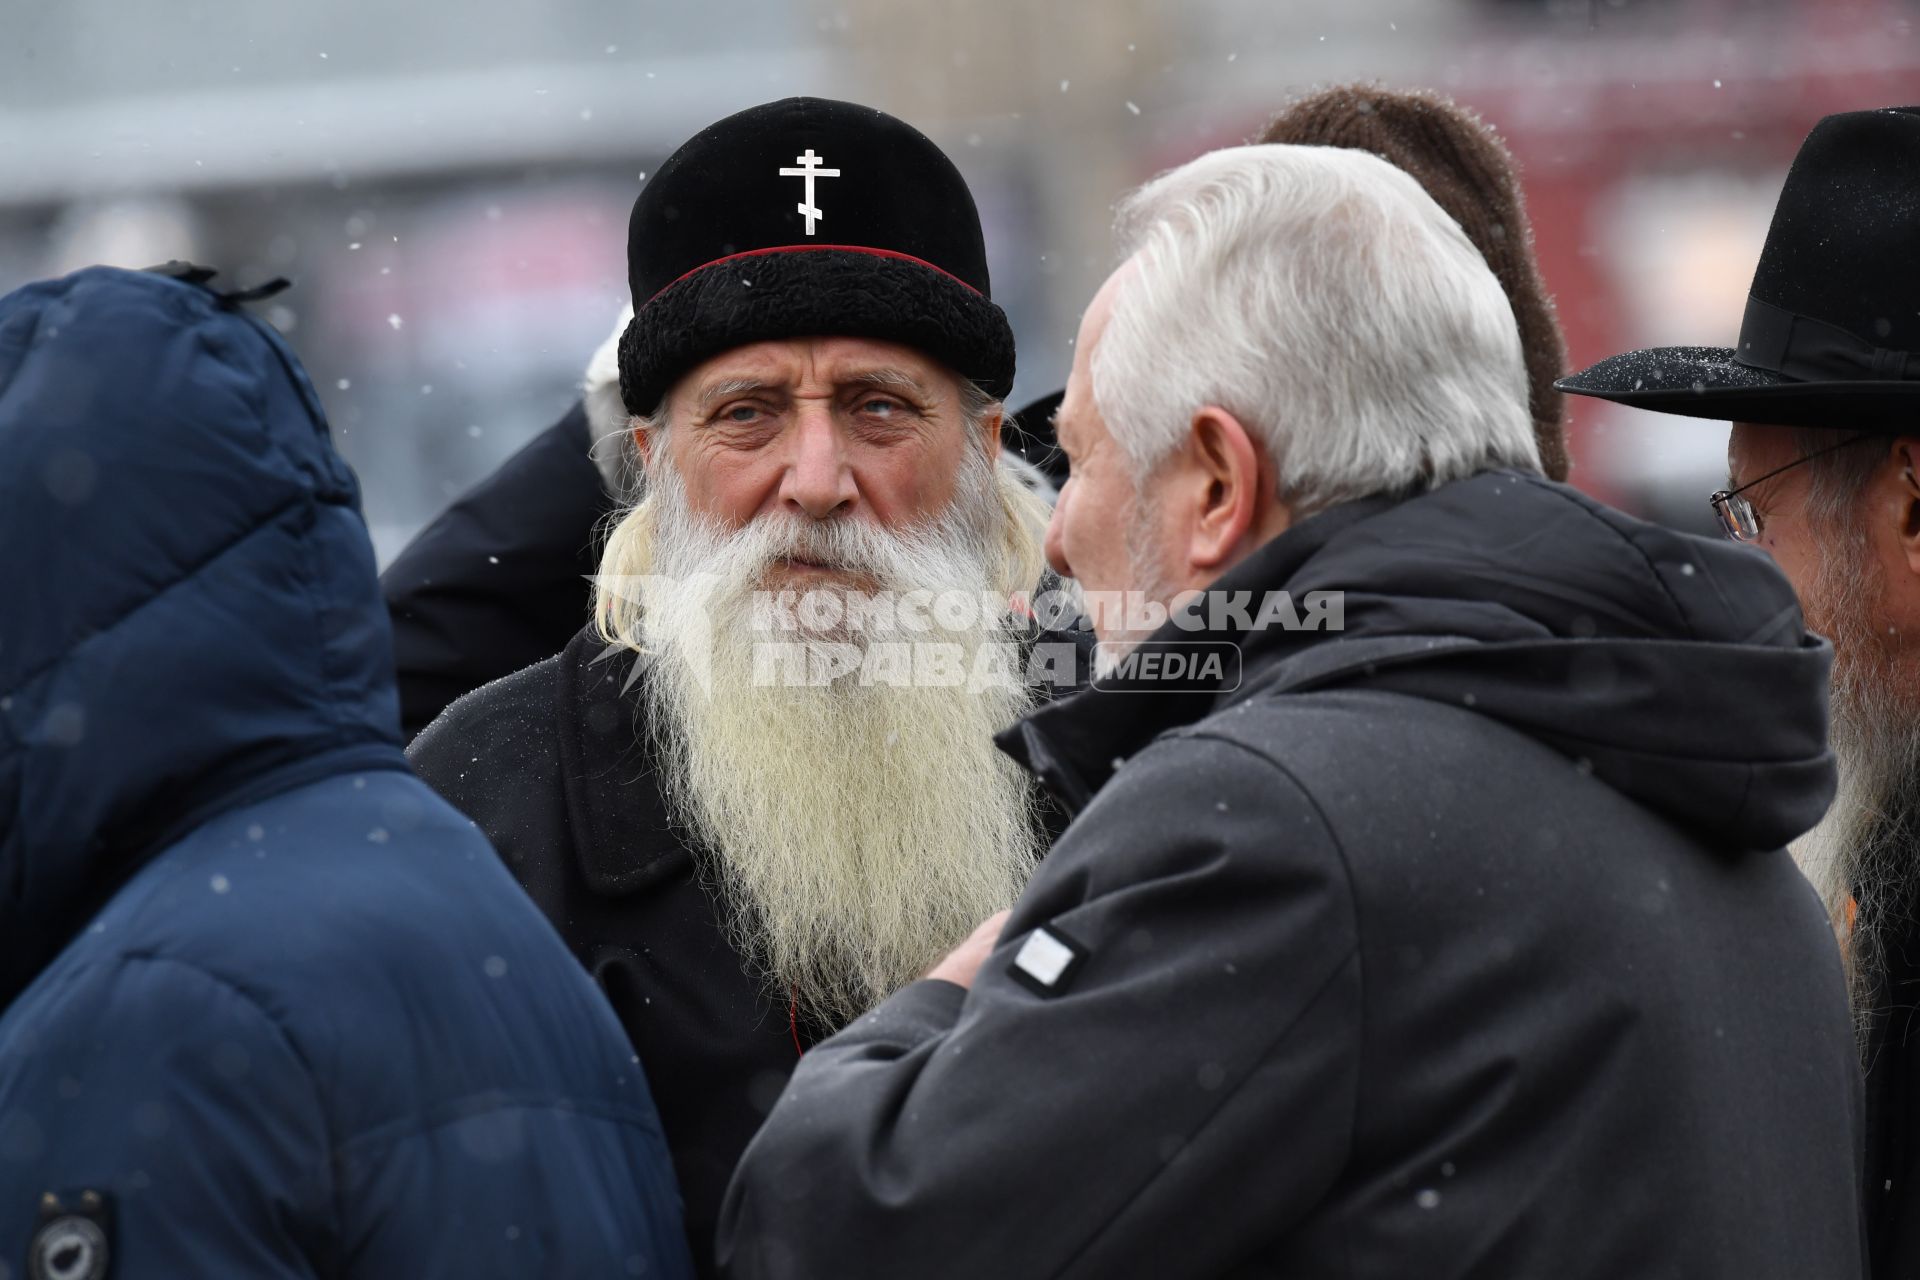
1469 172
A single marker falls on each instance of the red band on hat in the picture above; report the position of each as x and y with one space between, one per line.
803 248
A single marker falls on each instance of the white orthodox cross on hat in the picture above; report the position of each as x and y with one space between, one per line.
809 169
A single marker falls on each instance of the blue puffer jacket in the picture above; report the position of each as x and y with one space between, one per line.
274 1004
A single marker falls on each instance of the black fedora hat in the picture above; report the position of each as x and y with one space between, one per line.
1831 336
807 218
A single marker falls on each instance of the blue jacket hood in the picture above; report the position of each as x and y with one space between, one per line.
193 616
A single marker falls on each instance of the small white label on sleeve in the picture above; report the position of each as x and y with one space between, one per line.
1043 957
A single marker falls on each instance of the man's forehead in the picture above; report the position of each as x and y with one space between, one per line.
829 360
1066 415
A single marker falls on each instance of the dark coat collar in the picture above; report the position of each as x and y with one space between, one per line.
624 834
1675 669
1074 745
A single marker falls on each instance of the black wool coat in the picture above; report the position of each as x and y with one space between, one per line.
550 764
500 579
1893 1090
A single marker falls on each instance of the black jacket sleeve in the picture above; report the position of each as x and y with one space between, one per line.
500 579
1198 1060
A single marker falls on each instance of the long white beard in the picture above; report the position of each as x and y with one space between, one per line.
1867 847
858 830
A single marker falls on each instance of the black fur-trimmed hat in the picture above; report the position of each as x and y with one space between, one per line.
807 217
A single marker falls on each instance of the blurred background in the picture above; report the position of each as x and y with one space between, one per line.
448 181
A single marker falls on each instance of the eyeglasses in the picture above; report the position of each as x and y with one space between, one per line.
1736 513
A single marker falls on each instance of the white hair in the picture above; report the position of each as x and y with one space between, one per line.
1320 296
609 426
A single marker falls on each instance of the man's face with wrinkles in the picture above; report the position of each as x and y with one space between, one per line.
1779 503
823 429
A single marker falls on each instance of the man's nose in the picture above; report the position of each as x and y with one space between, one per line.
1056 545
818 480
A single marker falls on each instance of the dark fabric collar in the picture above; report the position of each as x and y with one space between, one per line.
1674 668
1075 744
623 832
625 836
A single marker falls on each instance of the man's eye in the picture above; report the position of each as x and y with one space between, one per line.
741 413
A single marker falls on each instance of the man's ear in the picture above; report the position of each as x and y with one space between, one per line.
991 426
641 441
1906 460
1228 512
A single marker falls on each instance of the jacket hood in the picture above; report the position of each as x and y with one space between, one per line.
1674 668
194 620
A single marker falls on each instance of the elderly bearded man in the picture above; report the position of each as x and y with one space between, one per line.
1458 943
1823 390
747 860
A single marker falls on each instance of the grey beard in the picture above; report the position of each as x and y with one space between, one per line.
1871 834
1867 847
1144 579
